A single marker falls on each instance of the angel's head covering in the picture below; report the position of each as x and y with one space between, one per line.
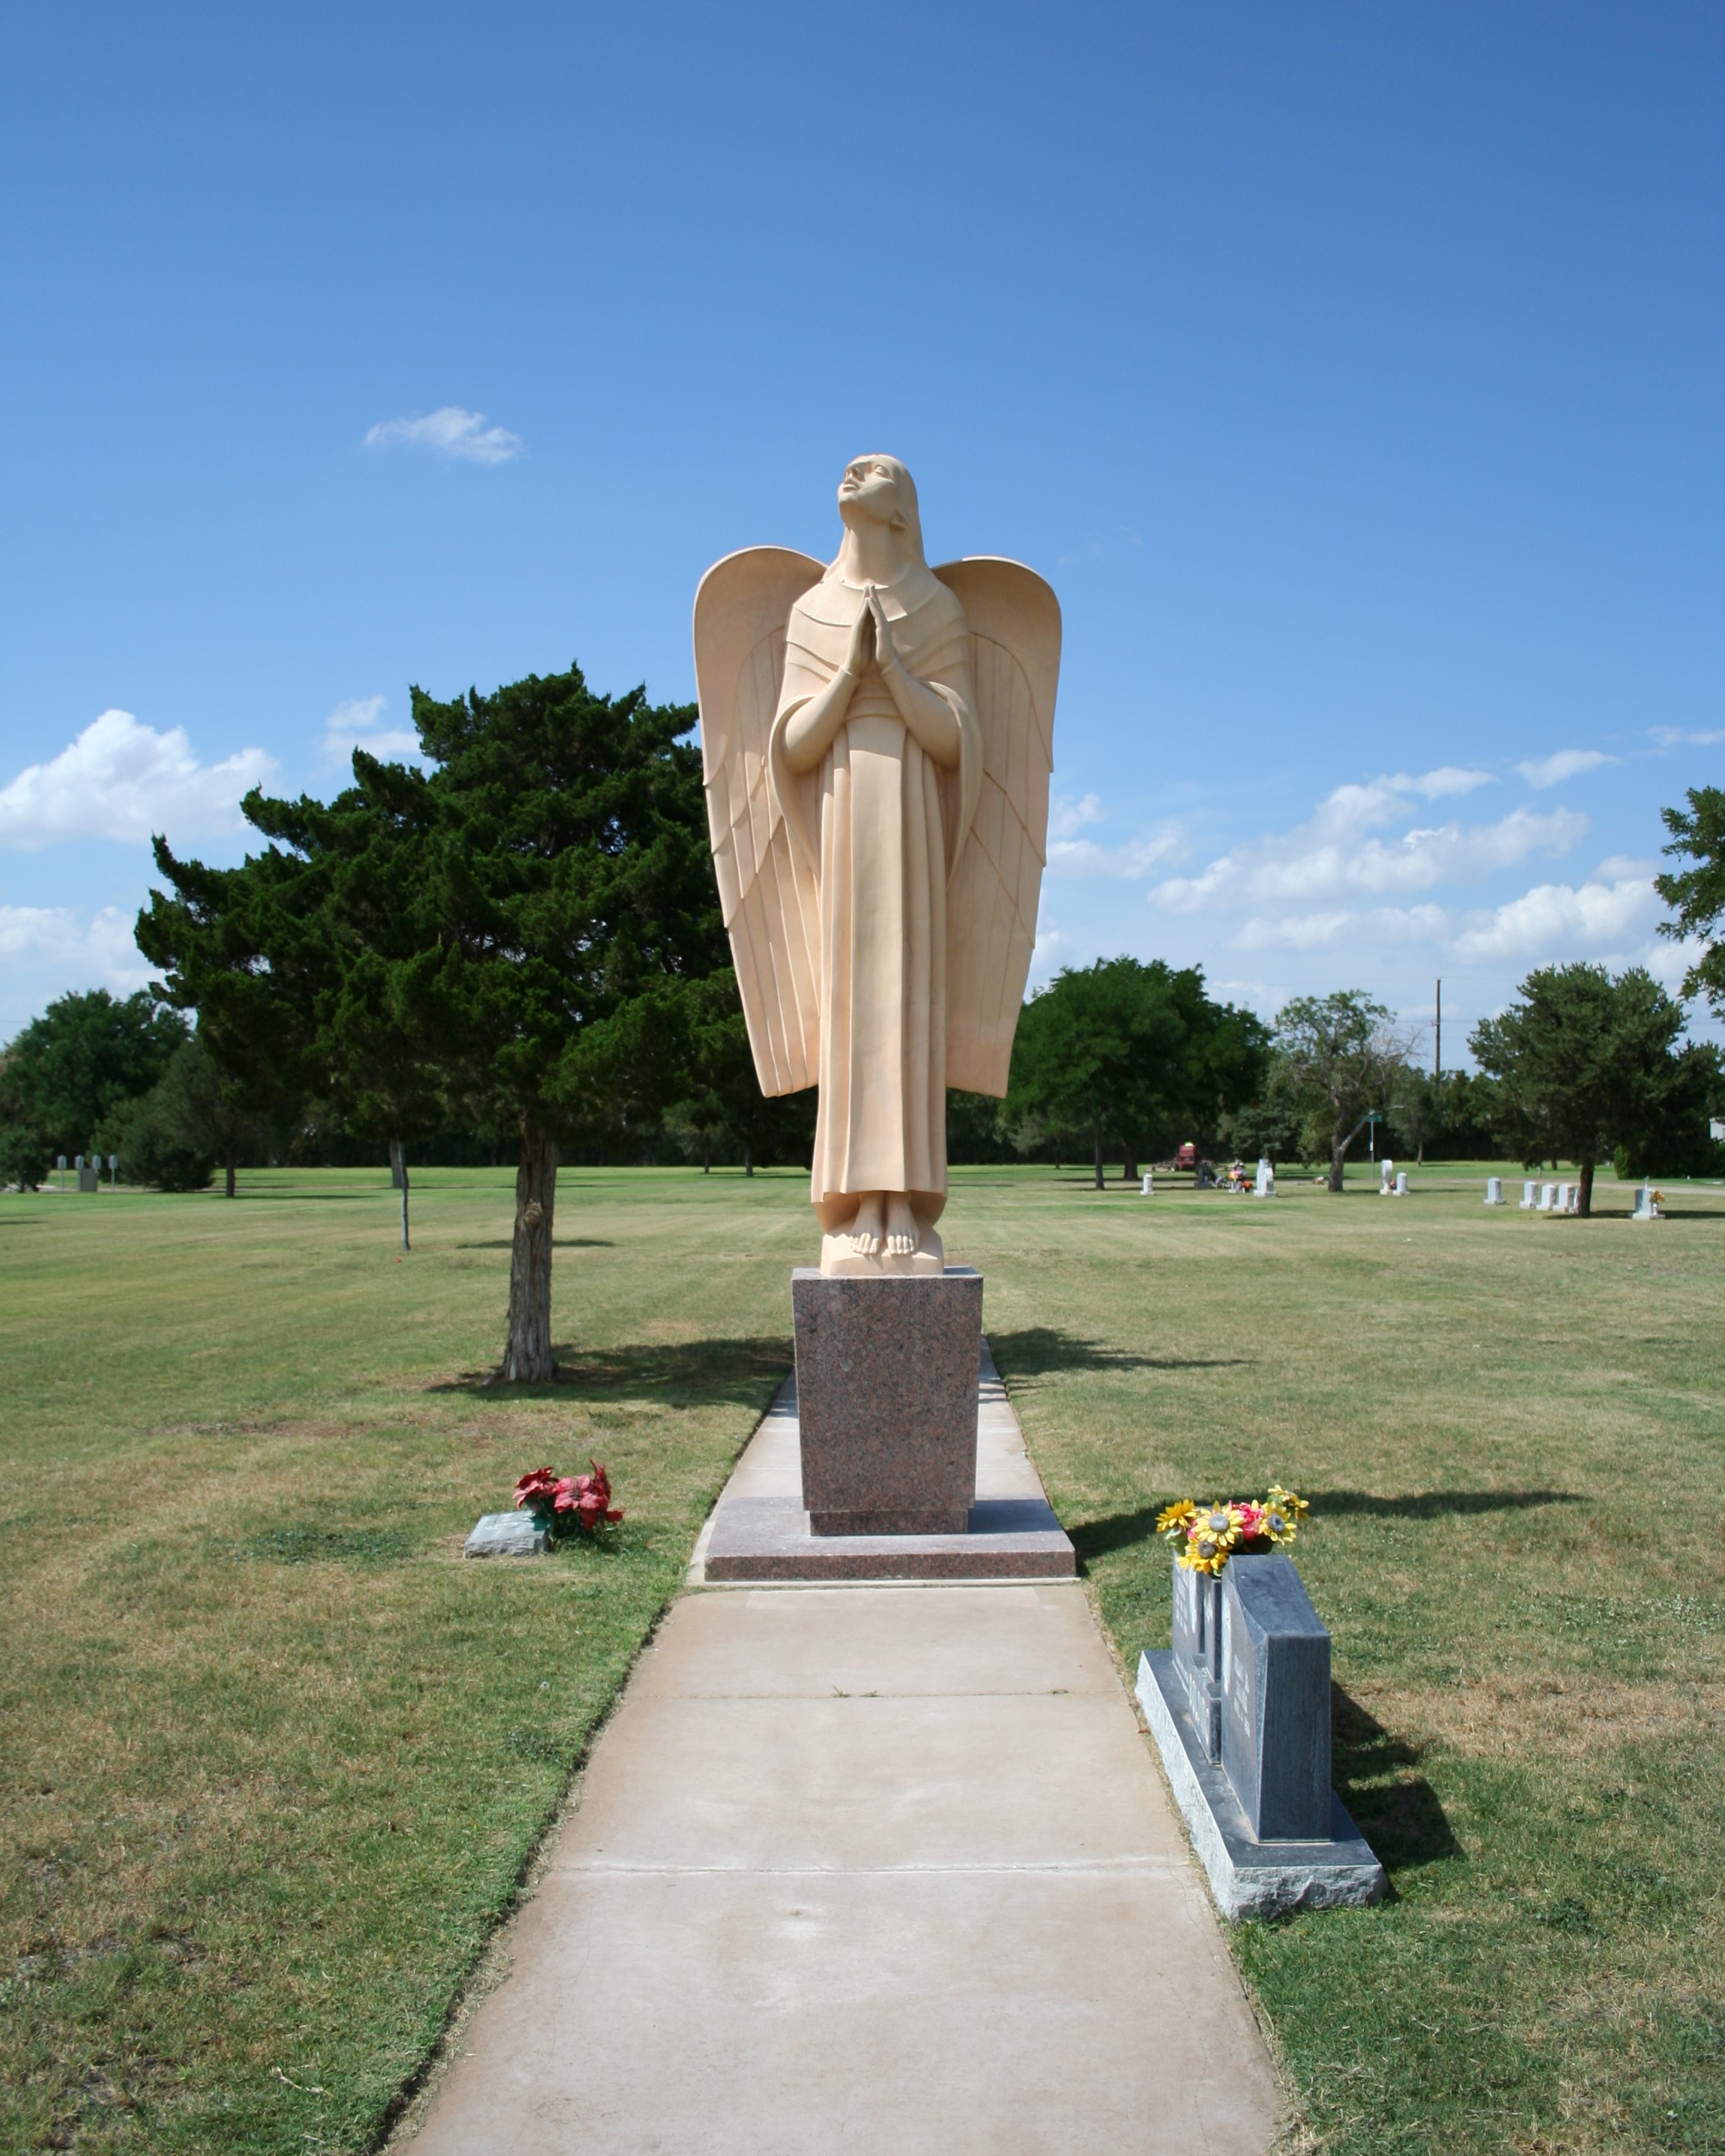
906 489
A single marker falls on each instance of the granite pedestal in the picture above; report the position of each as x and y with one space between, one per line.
886 1392
758 1532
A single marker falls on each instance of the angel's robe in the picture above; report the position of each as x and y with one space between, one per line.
882 824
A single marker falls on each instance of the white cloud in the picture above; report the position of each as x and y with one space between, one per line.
1084 857
1067 818
355 725
123 780
1447 779
56 936
1567 764
1314 931
1601 920
1678 737
450 431
1332 857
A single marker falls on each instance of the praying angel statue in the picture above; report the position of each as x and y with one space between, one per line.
877 738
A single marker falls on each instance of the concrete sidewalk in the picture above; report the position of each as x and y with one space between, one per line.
872 1867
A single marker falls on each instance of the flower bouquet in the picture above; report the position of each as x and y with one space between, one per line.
562 1503
1206 1535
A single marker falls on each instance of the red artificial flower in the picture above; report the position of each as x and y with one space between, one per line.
587 1496
538 1488
1251 1522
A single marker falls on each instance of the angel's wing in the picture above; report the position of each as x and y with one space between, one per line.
991 903
767 892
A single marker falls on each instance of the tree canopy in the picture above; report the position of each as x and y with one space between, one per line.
512 934
1698 894
1585 1064
1133 1050
1342 1056
67 1071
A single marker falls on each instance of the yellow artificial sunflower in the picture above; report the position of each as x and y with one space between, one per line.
1288 1502
1173 1517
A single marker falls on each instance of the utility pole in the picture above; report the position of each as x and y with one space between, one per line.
1438 1057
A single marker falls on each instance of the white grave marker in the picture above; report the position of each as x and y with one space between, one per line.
1264 1186
1530 1196
1494 1190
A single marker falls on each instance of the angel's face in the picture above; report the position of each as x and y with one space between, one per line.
868 493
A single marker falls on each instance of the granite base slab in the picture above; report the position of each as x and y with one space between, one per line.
1250 1878
763 1539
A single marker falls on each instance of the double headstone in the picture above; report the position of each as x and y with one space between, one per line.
1240 1709
1255 1660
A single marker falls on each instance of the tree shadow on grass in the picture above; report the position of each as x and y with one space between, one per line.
1038 1351
1438 1504
1118 1531
558 1243
1400 1814
682 1373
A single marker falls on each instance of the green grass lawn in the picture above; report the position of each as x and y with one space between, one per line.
276 1757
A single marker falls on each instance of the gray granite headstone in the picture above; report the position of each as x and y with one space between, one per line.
1275 1701
886 1399
507 1534
1240 1712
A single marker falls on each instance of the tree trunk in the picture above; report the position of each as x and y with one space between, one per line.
231 1172
527 1359
1096 1129
748 1161
1129 1167
398 1177
1584 1198
1338 1155
706 1155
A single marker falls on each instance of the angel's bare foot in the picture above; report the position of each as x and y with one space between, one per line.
902 1233
863 1233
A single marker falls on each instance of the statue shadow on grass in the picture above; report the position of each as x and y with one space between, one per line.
1041 1351
1119 1531
681 1373
1400 1814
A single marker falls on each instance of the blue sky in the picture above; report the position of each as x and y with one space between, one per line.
1353 373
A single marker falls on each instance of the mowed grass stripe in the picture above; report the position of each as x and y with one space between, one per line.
276 1756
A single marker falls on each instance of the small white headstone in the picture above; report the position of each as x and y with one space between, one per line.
1401 1184
1264 1186
1149 1188
1530 1196
1494 1190
1386 1178
1647 1206
1547 1196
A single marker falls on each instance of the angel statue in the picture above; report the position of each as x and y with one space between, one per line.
877 740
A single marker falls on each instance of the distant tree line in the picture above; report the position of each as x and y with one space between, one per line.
517 957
